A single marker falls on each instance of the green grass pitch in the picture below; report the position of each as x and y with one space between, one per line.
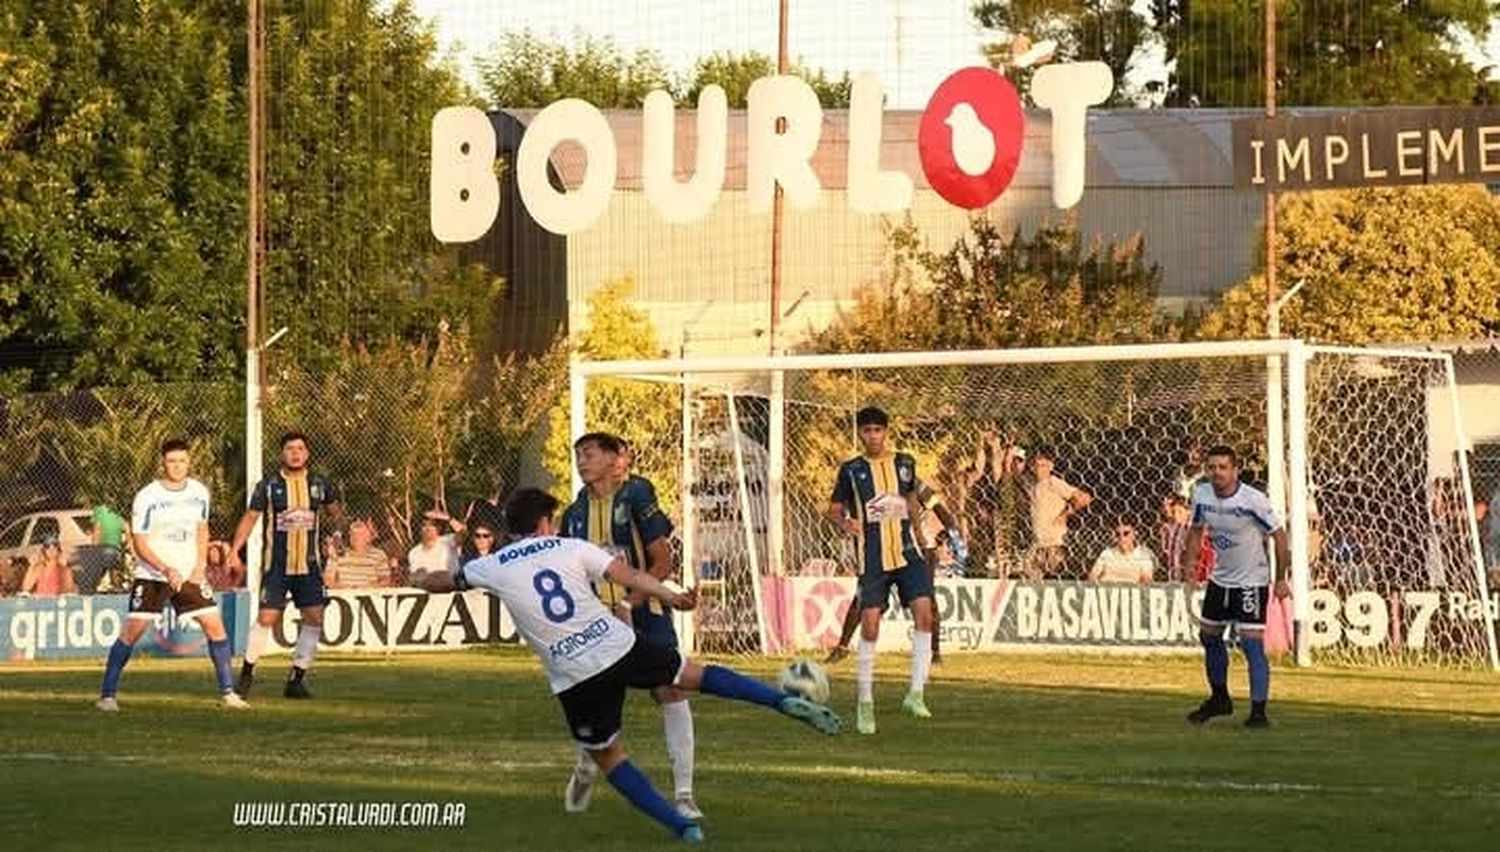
1025 752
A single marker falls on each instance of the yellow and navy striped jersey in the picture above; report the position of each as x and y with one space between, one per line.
290 504
627 519
874 492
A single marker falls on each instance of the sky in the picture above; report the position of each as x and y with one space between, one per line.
911 45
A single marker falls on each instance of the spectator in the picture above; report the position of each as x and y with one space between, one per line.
1189 469
489 511
482 540
1053 501
363 565
1489 529
11 575
221 571
105 555
437 550
1171 536
1127 560
48 574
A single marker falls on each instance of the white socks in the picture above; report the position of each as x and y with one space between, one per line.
255 643
307 646
586 765
866 669
677 722
921 660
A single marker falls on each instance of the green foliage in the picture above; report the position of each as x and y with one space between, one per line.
1379 265
647 414
734 74
993 290
1328 52
527 70
121 192
1108 31
350 256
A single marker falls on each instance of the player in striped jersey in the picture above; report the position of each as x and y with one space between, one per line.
1238 520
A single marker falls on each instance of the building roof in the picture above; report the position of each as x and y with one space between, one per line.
1126 148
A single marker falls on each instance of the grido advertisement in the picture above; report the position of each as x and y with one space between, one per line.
85 626
405 620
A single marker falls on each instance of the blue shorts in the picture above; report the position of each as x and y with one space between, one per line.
306 589
911 582
654 628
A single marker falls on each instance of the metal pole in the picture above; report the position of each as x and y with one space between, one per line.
1298 524
778 202
776 434
1270 51
1476 552
255 68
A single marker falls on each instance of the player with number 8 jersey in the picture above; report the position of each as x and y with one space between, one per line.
591 657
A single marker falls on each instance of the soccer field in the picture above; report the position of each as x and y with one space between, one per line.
1025 752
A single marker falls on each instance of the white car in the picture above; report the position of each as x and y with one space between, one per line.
21 537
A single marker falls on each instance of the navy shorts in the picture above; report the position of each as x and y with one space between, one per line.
305 589
1239 606
911 582
655 628
594 707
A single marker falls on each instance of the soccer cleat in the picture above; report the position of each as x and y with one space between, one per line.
296 689
579 792
1211 707
688 809
692 834
108 704
1257 720
864 717
913 705
234 701
814 714
838 653
246 680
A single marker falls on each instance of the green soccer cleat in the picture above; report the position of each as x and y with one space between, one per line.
864 717
692 834
915 706
814 714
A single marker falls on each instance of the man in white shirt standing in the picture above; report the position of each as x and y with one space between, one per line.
591 657
169 531
1239 519
435 550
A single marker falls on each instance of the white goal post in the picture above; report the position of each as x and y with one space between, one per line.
1369 467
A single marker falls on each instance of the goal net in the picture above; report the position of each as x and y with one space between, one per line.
1360 450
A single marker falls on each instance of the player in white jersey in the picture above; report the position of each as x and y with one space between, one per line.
590 656
1238 519
169 531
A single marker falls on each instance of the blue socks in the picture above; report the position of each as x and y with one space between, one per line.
1216 663
119 655
635 787
219 653
1260 668
728 683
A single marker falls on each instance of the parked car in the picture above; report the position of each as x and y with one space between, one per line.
20 538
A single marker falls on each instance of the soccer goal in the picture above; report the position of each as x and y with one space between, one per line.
1360 449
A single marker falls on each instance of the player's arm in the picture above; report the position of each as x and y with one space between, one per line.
1190 548
144 552
838 504
1283 547
1077 502
435 581
619 571
200 562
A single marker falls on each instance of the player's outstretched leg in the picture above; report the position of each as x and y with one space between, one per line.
851 624
677 729
1253 645
637 789
1216 667
728 683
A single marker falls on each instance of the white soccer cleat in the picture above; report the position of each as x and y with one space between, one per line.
579 792
108 704
233 700
688 809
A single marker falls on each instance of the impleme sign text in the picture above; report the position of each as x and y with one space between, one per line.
969 141
1388 147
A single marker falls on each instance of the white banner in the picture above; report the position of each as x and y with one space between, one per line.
405 620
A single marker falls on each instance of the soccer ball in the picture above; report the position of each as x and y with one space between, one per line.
806 679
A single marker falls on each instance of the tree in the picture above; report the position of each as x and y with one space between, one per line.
1108 31
1328 53
1379 265
527 71
646 414
734 74
121 193
993 290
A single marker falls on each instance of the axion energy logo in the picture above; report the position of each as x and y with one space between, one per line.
970 142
